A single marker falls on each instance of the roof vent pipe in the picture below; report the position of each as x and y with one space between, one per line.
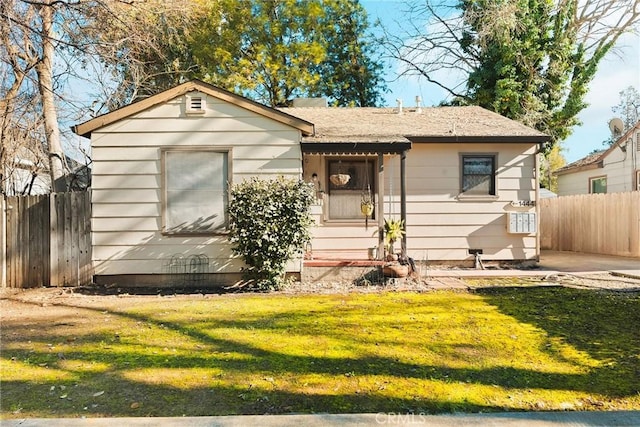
399 101
418 105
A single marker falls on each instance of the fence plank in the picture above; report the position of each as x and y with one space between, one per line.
54 273
84 245
596 223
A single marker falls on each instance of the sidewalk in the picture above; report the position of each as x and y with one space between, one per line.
511 419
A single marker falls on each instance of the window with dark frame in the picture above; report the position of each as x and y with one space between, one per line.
478 174
195 191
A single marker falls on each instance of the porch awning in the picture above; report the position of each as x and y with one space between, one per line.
355 147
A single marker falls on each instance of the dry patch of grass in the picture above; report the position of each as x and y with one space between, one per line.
495 349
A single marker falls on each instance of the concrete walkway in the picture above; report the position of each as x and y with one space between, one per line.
509 419
576 262
555 262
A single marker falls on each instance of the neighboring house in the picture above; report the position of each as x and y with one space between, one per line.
615 170
28 174
463 178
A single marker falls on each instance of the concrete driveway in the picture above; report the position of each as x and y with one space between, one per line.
572 262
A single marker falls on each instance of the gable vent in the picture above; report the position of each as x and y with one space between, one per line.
195 104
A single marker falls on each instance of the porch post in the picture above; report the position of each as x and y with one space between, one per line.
380 209
403 199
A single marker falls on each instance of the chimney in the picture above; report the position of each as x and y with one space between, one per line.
399 101
418 105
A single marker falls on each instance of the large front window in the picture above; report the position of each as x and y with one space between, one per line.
478 174
195 190
345 200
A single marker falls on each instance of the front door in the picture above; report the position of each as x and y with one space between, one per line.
345 198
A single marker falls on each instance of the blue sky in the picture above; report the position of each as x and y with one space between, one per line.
617 71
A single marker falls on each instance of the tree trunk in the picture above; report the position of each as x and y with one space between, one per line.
45 85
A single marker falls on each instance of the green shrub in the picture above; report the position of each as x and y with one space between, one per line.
269 223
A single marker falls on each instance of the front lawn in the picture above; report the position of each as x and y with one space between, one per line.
498 349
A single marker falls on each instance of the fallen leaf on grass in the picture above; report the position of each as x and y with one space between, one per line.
135 405
100 393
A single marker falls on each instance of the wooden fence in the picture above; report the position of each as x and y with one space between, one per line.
46 240
606 224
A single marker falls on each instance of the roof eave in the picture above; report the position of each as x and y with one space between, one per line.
598 164
479 139
354 147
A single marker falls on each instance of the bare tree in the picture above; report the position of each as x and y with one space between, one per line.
141 46
20 144
29 39
45 44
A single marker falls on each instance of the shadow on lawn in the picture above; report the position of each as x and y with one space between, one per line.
603 325
600 323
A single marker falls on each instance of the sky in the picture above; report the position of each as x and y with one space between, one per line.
617 71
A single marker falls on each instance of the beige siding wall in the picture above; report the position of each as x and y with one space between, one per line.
443 226
576 183
618 166
127 180
440 225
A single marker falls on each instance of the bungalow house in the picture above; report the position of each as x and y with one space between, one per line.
464 180
614 170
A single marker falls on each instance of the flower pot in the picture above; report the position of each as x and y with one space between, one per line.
366 209
339 179
395 270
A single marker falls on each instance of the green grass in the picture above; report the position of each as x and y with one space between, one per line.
501 349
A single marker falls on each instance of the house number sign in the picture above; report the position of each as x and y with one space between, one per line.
523 203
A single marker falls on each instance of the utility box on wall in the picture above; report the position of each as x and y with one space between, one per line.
521 222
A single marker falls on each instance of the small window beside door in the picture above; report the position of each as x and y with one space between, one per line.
478 174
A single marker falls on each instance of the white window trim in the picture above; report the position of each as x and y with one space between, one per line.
595 178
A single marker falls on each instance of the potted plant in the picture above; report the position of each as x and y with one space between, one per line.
366 207
393 230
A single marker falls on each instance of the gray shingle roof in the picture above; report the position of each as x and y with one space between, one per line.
386 125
